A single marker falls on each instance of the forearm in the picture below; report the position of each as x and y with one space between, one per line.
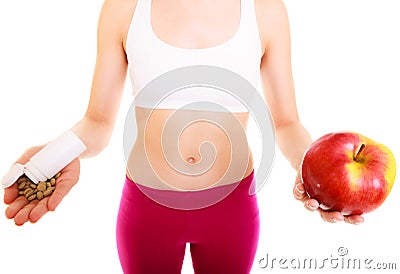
94 134
293 140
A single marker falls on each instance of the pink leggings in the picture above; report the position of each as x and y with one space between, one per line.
223 237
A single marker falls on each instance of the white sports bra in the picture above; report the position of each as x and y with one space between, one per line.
149 57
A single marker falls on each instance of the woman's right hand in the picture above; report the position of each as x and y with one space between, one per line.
23 211
312 205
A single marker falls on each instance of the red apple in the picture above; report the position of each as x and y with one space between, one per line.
348 172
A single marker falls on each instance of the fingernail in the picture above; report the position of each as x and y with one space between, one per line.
357 223
301 191
309 206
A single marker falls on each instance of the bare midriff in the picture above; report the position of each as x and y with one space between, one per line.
189 149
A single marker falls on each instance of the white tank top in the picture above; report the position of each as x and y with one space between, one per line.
149 57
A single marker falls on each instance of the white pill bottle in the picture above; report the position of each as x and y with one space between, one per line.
50 160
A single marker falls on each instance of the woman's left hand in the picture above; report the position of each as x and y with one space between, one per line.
312 205
21 210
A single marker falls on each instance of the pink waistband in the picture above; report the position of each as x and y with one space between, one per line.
188 200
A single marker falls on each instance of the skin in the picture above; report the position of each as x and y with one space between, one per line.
109 77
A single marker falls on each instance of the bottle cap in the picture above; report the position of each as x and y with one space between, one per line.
12 175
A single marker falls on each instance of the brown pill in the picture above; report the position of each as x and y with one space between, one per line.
28 192
30 198
21 179
32 185
42 186
21 185
39 195
47 192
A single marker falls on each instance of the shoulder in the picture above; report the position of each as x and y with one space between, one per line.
270 9
118 9
119 6
117 13
272 19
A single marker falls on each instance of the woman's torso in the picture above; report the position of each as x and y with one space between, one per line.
165 159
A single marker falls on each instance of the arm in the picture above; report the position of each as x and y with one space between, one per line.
95 128
277 81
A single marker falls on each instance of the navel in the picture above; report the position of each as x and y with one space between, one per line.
191 160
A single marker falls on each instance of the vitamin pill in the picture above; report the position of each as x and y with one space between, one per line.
21 179
32 185
47 192
57 175
21 185
52 181
28 192
30 198
39 195
42 186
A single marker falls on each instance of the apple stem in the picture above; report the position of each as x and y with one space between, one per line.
357 156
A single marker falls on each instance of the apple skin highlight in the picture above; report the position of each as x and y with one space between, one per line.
348 172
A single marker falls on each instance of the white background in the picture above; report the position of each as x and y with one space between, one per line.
346 65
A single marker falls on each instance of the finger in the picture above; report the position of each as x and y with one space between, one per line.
10 194
62 189
299 192
39 210
331 216
354 219
69 177
311 204
23 215
16 206
63 186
